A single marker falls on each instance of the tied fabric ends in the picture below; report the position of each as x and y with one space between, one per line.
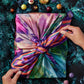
37 38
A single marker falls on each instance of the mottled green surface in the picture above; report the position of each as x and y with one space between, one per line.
75 58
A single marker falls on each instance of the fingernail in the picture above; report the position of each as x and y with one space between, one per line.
19 72
62 32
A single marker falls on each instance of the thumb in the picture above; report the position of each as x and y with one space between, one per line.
67 34
17 75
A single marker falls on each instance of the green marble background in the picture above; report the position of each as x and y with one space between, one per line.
75 57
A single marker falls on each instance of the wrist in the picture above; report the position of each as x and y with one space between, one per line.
82 44
83 47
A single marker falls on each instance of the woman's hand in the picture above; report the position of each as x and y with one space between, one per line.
75 34
6 79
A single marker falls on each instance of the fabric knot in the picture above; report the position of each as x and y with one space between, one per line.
41 49
35 39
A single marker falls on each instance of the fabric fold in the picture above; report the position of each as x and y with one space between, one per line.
36 35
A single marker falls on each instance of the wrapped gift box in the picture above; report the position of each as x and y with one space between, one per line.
40 50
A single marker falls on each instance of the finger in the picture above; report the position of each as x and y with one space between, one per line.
67 34
68 27
17 75
11 72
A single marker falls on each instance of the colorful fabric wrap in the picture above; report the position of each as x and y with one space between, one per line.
40 50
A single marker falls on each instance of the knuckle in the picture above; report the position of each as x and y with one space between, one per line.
67 26
4 77
65 33
77 27
14 81
10 70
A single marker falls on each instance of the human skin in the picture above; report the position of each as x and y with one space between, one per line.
6 79
75 34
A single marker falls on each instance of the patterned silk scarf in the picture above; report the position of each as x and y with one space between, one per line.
40 50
